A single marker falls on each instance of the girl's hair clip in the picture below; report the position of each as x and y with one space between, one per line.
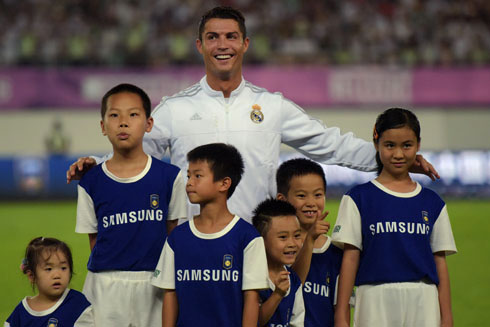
23 264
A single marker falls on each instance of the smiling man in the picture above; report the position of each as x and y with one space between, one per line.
224 107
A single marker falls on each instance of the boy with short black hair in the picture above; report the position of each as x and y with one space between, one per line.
302 183
213 265
127 206
282 303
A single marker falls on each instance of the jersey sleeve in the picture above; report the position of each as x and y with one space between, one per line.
156 142
348 225
178 201
164 275
86 319
255 271
86 218
324 144
441 238
298 314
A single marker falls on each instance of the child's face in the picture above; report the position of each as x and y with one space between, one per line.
125 121
283 240
307 194
397 149
52 274
200 186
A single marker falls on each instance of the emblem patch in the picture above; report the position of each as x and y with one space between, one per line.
154 201
425 217
156 273
52 322
227 261
257 116
337 229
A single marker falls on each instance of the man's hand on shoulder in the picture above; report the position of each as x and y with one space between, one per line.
79 168
422 166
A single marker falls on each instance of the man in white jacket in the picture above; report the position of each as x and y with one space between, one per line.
223 107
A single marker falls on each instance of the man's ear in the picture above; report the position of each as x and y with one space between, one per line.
281 197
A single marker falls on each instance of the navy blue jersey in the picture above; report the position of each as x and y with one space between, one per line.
286 309
72 307
320 285
399 232
209 272
130 216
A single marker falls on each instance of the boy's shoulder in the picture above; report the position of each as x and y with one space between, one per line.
161 164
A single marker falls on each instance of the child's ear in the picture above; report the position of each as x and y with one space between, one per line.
31 276
102 127
225 184
149 124
281 197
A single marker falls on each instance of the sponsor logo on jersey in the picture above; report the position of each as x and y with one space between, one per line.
132 217
257 116
227 261
401 227
425 217
207 275
337 229
154 201
52 322
316 288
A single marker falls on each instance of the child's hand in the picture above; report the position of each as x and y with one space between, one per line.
282 283
320 227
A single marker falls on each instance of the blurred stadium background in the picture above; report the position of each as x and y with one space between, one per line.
343 61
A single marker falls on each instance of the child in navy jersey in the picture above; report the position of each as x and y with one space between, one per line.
212 266
396 235
282 303
127 205
49 266
302 183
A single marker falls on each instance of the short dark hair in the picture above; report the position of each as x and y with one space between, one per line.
295 168
35 249
129 88
223 13
394 118
224 160
268 209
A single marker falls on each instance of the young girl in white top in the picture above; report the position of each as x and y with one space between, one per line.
49 266
396 235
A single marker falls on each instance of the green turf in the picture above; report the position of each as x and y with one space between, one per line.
20 222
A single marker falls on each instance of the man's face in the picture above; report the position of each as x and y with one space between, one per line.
222 48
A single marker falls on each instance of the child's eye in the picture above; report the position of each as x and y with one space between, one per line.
134 114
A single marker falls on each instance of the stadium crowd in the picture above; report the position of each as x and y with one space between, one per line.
152 33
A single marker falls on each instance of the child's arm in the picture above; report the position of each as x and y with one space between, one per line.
444 290
92 238
301 266
250 308
348 271
268 308
170 309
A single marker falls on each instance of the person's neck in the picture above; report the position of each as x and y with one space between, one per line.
275 268
225 84
399 183
41 302
213 218
126 164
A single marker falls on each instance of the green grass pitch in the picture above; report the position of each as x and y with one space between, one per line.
22 221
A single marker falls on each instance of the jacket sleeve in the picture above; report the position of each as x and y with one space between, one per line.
157 141
324 144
